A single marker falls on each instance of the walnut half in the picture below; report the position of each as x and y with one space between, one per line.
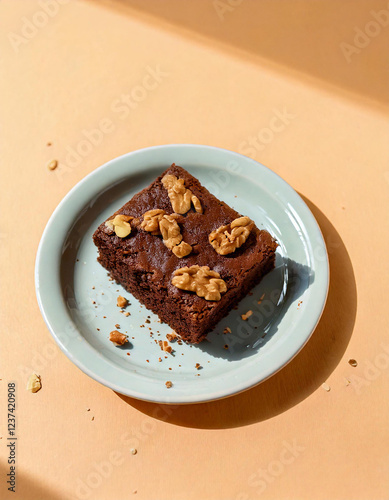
151 220
180 197
226 239
201 280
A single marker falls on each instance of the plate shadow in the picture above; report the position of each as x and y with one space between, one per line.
297 380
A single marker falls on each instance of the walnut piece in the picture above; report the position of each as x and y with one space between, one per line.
120 225
181 198
164 345
151 220
118 338
122 302
226 239
34 383
201 280
168 384
172 237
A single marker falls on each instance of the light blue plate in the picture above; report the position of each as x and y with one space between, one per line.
78 302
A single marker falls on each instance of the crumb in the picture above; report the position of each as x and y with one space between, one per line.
171 336
163 344
227 330
168 384
117 325
261 298
52 165
198 366
348 382
104 317
93 418
48 144
326 387
34 383
169 368
117 338
93 287
122 302
353 362
134 451
88 409
147 361
225 346
159 359
98 329
246 316
128 354
93 302
299 304
126 314
147 321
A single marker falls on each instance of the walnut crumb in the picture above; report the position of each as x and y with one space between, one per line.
168 384
122 302
52 165
164 345
227 330
117 338
246 316
172 336
34 383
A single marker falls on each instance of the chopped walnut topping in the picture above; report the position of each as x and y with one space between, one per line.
117 338
151 220
120 225
246 316
182 250
168 384
122 302
201 280
226 239
34 383
227 330
172 237
181 198
164 345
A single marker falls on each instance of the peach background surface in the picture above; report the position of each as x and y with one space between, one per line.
226 68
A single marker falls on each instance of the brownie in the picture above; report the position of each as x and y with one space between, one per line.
144 265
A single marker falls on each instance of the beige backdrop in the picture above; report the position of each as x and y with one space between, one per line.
222 69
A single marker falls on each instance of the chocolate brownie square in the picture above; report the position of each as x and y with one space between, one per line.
184 254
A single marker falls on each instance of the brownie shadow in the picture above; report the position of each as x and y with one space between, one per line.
284 285
297 380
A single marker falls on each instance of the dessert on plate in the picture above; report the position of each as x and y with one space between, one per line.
184 254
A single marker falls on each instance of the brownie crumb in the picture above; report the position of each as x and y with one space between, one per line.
168 384
160 359
353 362
127 314
225 346
117 325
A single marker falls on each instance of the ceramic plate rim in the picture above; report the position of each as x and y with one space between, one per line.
51 244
